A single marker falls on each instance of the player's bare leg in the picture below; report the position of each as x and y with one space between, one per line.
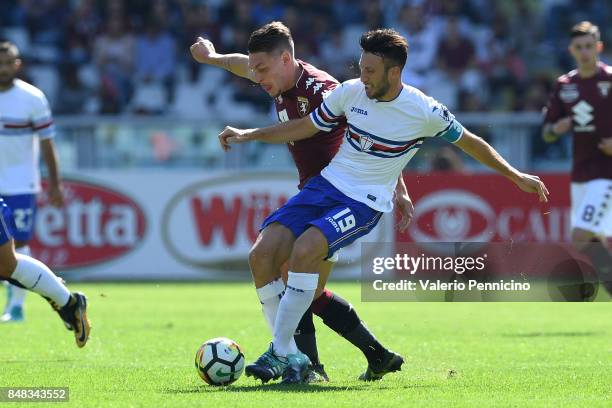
27 272
15 295
270 251
595 248
283 354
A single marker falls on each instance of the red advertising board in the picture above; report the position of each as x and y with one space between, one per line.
452 207
96 224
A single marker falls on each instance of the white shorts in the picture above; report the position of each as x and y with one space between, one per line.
592 206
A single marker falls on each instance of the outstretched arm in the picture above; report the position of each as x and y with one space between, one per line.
485 154
284 132
204 52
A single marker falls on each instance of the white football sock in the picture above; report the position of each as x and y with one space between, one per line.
298 296
37 277
270 296
17 293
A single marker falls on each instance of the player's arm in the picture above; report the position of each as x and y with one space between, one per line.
403 203
54 190
556 123
204 52
283 132
487 155
551 132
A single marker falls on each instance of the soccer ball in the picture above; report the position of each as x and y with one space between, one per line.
219 361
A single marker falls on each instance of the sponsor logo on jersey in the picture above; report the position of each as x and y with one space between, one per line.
302 104
568 93
309 82
604 87
317 86
359 111
583 115
96 224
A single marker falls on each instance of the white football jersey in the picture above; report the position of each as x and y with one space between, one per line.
380 139
25 118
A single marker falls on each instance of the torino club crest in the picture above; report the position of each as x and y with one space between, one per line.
303 105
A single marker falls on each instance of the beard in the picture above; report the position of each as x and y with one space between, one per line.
6 81
381 90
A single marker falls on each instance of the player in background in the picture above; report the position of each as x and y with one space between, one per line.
581 102
298 88
387 122
25 118
24 112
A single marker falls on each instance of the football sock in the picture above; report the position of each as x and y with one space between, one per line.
37 277
602 261
298 296
340 316
305 337
18 294
269 297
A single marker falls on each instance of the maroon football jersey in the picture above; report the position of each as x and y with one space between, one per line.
588 101
313 154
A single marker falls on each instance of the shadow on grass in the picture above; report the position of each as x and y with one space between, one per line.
302 388
552 334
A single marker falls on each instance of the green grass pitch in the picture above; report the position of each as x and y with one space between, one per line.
145 336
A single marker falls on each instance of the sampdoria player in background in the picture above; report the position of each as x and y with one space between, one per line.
25 119
387 122
582 103
298 88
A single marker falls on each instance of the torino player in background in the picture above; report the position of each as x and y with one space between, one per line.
582 103
298 88
25 118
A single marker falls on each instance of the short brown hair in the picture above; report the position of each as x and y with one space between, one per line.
7 46
387 44
273 36
585 28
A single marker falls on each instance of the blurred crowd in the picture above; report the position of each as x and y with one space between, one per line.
132 56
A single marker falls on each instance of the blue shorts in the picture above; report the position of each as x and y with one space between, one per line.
6 218
340 218
23 207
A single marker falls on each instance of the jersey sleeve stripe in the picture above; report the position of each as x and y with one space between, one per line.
329 113
17 125
42 126
319 124
326 118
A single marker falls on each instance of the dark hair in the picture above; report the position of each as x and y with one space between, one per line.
7 46
585 28
387 44
273 36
